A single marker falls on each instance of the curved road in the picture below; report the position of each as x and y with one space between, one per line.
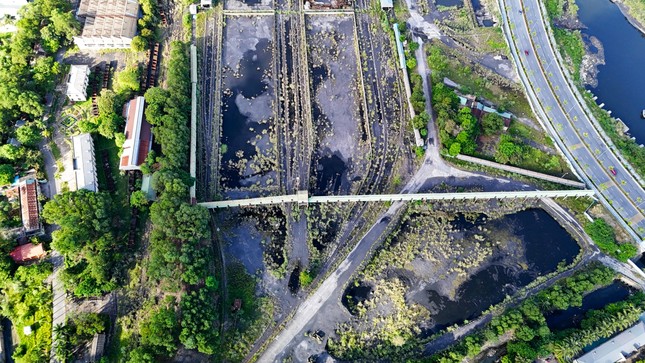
554 98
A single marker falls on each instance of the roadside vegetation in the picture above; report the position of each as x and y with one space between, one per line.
604 231
572 47
524 331
26 300
417 98
28 73
636 8
462 133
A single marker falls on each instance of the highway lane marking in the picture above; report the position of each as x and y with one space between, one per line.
564 101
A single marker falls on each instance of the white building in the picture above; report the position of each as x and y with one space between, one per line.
84 163
77 80
138 136
618 348
109 24
206 3
11 7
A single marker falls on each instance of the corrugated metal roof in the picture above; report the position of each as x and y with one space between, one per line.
617 348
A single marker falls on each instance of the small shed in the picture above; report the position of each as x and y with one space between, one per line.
387 4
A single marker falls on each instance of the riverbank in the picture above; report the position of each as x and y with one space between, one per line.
627 7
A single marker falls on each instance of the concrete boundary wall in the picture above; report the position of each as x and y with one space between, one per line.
193 118
516 170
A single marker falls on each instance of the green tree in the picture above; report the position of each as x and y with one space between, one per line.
138 199
6 174
109 124
139 44
9 152
106 102
492 123
160 330
455 149
28 135
508 151
127 80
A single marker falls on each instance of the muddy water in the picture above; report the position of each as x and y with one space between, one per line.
572 317
546 244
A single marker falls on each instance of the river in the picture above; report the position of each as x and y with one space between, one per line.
622 78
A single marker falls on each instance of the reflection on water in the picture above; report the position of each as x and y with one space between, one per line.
621 79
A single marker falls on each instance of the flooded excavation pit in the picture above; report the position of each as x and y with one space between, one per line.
248 150
441 268
341 145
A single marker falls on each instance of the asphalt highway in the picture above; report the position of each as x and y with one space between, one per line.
573 126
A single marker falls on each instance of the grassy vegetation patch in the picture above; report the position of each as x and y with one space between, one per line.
604 237
474 79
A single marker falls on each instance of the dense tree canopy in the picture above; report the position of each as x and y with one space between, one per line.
86 238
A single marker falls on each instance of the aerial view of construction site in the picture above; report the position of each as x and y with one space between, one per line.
322 181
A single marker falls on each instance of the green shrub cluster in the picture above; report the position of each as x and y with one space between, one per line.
603 236
458 128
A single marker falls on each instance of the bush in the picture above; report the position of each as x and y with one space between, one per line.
139 44
603 236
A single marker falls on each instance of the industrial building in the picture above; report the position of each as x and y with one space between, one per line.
77 80
618 348
138 135
109 24
84 163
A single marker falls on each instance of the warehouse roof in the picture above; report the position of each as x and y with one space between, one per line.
29 205
109 18
618 348
138 136
84 163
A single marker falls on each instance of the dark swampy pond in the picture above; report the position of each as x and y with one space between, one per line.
526 245
546 244
242 115
447 3
572 317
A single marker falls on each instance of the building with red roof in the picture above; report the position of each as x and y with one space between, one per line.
27 252
29 207
138 135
